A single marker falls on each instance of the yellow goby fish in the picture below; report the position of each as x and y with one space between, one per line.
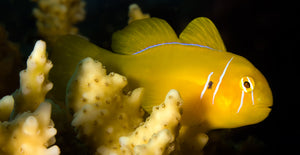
219 89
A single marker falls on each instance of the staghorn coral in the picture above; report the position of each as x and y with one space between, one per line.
161 124
29 133
102 112
158 144
110 121
57 17
34 83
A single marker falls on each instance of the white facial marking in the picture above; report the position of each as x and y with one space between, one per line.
220 80
251 85
242 100
244 88
252 98
206 85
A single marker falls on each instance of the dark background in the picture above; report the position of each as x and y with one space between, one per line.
256 29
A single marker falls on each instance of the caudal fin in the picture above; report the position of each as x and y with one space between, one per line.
65 54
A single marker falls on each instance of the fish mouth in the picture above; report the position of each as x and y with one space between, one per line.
267 108
264 103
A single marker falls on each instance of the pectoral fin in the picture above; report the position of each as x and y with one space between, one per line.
155 93
153 96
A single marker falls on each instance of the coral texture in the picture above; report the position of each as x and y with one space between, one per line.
191 139
135 13
34 83
30 130
57 17
6 107
157 145
29 133
160 129
102 112
110 121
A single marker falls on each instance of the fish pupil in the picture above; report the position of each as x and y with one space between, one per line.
210 85
247 84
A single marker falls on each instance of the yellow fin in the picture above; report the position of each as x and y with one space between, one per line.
202 31
153 96
141 34
66 53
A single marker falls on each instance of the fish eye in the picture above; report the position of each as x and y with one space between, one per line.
210 85
247 84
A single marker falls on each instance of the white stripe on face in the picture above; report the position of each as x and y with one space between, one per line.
251 85
242 100
206 85
220 80
252 98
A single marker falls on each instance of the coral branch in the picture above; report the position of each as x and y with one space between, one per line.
34 83
166 116
29 133
135 13
108 120
157 144
56 17
102 112
6 107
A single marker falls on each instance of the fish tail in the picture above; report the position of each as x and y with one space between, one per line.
66 53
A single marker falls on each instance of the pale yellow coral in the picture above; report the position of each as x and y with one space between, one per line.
102 112
135 13
29 134
165 116
108 120
157 144
34 83
57 17
6 107
191 139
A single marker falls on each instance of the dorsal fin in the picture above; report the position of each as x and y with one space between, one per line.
141 34
202 31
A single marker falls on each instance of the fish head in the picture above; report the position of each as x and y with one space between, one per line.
241 95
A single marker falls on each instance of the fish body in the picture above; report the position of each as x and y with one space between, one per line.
219 89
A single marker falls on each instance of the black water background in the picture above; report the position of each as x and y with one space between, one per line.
259 30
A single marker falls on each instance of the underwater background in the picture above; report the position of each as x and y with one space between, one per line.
251 28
